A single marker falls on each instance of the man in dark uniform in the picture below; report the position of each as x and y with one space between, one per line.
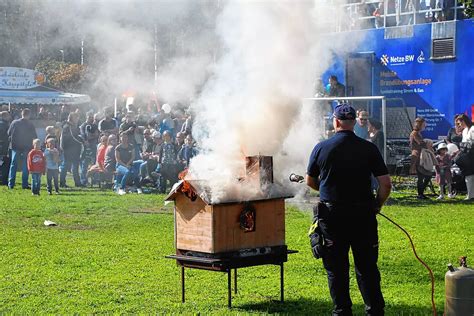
340 168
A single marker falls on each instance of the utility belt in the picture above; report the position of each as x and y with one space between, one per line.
356 208
344 205
319 246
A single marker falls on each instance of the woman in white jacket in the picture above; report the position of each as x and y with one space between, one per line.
465 123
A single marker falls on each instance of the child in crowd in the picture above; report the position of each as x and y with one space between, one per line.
51 155
443 170
36 164
187 151
99 167
50 133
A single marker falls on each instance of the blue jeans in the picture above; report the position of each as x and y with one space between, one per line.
35 182
52 176
86 161
18 156
70 163
124 174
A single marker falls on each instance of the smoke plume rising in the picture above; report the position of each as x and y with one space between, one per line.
272 55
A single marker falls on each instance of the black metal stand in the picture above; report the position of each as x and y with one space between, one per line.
227 264
183 299
282 283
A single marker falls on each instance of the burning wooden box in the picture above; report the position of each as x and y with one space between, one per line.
231 228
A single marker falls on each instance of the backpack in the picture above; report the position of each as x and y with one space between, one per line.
427 161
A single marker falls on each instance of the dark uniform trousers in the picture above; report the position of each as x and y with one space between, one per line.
354 227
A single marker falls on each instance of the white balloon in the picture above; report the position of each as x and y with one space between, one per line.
166 108
452 148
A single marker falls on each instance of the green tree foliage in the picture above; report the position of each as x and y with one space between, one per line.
64 76
469 4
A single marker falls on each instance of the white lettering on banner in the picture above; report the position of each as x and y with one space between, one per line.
401 91
397 59
432 117
19 79
388 60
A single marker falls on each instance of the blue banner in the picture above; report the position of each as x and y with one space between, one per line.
404 70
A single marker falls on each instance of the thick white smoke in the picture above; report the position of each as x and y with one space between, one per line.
272 54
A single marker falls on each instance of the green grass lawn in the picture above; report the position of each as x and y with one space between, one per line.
107 256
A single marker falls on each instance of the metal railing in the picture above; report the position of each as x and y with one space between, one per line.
367 14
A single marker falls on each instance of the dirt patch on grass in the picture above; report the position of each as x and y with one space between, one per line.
165 209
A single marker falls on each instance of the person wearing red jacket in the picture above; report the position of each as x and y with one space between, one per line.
36 166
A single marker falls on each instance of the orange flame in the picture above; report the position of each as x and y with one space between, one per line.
186 188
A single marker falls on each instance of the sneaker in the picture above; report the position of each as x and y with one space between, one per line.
50 193
441 197
139 191
451 195
121 192
57 191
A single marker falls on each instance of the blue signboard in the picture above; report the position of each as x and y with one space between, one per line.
433 89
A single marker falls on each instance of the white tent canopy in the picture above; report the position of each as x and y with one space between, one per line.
41 97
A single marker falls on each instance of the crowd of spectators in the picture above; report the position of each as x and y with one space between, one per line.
456 150
128 150
125 150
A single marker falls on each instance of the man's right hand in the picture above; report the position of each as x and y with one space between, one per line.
312 182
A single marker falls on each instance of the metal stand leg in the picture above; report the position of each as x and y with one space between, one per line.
229 288
182 285
282 281
235 281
